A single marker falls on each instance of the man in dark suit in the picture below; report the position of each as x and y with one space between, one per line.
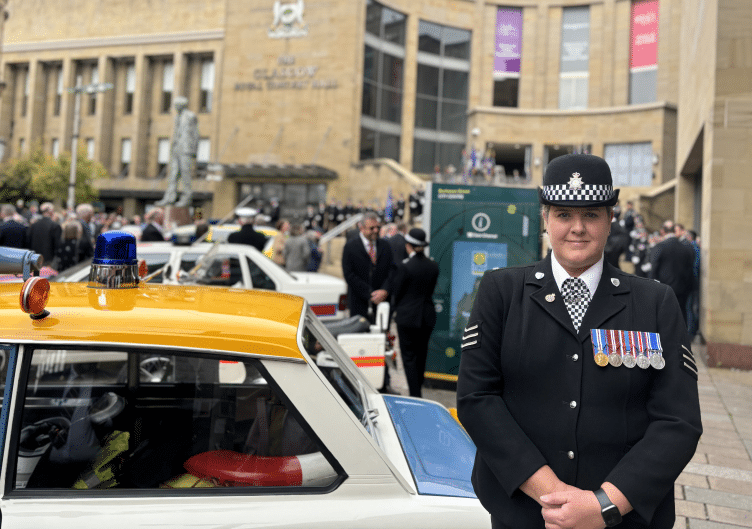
415 316
397 242
248 235
672 262
12 232
44 235
571 433
152 232
368 268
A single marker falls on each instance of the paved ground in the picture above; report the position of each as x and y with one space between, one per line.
715 489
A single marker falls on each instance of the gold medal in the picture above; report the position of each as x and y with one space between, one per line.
601 359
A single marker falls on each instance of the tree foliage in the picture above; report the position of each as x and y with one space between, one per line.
42 177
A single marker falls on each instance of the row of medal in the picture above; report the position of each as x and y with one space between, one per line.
628 348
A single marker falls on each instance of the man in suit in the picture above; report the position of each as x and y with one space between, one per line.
85 213
415 315
44 235
247 233
152 232
397 242
672 262
571 433
368 268
12 232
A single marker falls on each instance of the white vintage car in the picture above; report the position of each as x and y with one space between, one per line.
232 265
131 405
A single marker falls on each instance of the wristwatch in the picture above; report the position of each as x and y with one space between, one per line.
610 512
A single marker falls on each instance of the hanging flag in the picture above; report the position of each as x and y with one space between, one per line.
389 209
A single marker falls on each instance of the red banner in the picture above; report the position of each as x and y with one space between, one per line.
644 45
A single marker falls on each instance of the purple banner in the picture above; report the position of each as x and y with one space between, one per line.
508 40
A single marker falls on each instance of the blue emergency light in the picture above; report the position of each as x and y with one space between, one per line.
114 264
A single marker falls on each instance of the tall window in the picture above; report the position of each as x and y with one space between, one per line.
58 90
507 55
442 96
130 88
93 96
206 94
125 156
643 66
163 156
204 150
631 163
90 148
55 148
383 72
25 99
575 58
168 85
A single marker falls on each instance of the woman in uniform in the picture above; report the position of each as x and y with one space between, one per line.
577 383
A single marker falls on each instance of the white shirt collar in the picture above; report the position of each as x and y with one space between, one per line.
591 276
366 242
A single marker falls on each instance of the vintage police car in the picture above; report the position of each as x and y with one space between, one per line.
130 405
233 265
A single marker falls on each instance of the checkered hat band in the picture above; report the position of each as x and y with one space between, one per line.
589 193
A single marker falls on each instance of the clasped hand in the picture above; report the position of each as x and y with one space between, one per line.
571 508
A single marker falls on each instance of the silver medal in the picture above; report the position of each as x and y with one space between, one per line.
643 362
629 360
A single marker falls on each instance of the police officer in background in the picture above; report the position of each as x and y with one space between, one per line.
415 312
576 382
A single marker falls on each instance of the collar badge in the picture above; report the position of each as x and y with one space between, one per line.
539 275
550 297
614 281
575 182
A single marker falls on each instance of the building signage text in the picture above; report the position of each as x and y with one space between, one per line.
286 76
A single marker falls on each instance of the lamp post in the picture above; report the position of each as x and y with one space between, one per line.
78 90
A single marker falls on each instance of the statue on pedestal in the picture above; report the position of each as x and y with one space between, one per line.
183 149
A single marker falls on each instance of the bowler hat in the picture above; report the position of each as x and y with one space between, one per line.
416 237
578 180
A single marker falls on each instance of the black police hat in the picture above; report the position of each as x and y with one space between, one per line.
578 180
416 237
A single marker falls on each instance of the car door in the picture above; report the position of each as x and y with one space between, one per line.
132 437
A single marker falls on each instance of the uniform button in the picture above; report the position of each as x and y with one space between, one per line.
573 404
570 454
575 357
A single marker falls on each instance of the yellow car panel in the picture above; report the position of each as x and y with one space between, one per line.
257 322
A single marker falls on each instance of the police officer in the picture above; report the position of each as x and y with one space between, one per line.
413 302
576 382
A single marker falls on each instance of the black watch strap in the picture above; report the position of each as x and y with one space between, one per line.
609 511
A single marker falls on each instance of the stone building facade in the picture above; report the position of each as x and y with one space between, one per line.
304 100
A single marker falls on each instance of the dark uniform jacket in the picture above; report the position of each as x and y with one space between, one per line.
672 263
530 393
248 235
12 234
362 276
413 291
43 237
151 234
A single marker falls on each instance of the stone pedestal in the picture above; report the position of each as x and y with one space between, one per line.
175 216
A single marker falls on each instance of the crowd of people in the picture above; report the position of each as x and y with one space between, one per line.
324 217
671 255
62 238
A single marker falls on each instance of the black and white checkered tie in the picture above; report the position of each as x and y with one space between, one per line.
576 297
